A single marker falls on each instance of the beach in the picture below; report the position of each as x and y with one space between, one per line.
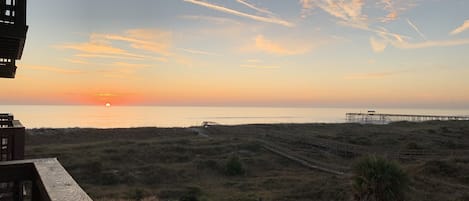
279 161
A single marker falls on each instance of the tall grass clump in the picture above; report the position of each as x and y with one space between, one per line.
377 179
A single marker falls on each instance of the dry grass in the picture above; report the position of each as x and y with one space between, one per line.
173 163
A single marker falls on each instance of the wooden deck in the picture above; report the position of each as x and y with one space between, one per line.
383 118
49 181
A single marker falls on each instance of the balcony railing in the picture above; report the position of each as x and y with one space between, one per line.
38 180
13 30
12 135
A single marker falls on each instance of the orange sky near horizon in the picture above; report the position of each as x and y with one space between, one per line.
308 53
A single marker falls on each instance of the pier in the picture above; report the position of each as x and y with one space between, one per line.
382 118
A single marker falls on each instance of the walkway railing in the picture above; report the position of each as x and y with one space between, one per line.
382 118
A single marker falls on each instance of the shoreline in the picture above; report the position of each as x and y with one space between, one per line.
251 124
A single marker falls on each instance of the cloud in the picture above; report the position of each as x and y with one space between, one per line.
306 7
461 28
139 44
77 61
348 11
269 19
96 47
256 63
129 65
404 44
416 29
216 20
427 44
395 7
377 45
261 10
105 56
259 66
152 40
266 45
192 51
52 69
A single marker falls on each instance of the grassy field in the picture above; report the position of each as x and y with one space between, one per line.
181 164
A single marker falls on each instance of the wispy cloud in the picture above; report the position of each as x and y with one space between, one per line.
268 19
306 7
377 45
139 44
152 40
404 44
269 46
461 28
257 63
394 8
52 69
427 44
347 11
96 47
129 65
216 20
106 56
259 66
192 51
77 61
416 29
261 10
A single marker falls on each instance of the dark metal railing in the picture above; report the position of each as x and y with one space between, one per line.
13 30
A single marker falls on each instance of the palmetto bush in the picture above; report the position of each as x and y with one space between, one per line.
377 179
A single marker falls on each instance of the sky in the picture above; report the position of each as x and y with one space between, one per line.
292 53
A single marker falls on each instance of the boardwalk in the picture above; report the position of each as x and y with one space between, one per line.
382 118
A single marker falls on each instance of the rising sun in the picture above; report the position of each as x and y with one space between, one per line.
108 104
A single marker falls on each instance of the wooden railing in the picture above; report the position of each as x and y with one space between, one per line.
38 180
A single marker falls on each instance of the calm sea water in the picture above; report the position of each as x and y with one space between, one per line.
35 116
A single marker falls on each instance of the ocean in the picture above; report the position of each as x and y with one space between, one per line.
55 116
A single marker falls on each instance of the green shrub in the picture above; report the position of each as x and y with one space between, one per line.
377 179
234 167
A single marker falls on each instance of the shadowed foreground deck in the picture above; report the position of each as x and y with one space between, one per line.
49 181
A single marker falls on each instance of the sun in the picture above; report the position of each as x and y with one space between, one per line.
108 104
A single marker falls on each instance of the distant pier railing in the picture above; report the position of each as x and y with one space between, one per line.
383 118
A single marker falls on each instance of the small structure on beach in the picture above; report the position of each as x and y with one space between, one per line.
371 117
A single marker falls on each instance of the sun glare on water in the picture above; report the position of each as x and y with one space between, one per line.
108 104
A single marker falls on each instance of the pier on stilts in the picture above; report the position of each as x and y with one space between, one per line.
371 117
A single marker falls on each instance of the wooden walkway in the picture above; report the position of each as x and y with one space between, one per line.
383 118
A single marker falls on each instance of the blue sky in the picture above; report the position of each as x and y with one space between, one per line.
392 53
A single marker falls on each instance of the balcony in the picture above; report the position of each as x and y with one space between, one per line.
35 180
38 179
13 30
